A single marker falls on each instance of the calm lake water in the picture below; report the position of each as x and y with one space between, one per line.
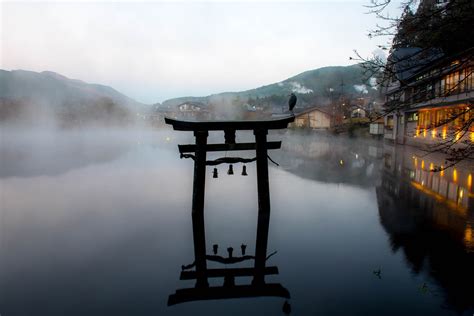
99 223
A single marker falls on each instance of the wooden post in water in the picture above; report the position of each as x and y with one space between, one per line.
199 183
263 206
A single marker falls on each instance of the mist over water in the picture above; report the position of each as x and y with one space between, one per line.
98 222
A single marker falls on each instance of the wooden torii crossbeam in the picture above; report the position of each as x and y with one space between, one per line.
198 153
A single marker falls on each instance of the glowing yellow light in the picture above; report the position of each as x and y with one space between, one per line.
417 132
469 181
431 167
424 133
461 193
341 162
472 137
416 162
433 133
468 234
458 135
442 171
444 133
455 175
422 164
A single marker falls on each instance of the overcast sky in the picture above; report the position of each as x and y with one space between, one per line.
152 51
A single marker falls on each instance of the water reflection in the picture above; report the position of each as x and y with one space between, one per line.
49 152
429 217
201 273
327 158
110 236
257 287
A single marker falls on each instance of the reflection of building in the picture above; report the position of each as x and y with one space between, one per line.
313 118
453 186
430 218
431 96
330 159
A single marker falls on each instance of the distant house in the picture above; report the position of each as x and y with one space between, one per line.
314 118
365 107
192 110
358 113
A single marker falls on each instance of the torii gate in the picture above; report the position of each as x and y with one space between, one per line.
258 287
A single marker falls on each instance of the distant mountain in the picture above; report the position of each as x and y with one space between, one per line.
28 95
324 81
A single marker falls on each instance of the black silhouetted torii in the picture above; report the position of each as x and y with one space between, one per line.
198 152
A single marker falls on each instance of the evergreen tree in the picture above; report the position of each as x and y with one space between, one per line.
405 36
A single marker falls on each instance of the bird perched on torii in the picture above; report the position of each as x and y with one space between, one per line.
292 102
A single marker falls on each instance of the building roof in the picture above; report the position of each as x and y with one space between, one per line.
193 103
311 109
409 61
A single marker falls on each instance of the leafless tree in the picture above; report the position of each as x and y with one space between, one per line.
434 28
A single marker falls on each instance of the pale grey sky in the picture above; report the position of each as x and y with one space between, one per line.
152 51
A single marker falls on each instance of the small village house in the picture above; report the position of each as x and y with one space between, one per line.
314 118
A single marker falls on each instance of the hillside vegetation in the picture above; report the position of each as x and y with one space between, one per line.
310 86
32 97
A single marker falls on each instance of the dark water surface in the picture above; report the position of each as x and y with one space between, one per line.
99 223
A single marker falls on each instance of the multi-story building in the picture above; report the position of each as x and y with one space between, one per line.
430 97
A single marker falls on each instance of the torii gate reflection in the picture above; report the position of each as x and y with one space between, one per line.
258 286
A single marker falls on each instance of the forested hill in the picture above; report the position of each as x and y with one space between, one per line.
321 82
33 96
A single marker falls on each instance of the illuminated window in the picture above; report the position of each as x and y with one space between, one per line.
460 195
468 77
468 234
412 117
390 122
457 135
462 81
440 117
424 119
452 82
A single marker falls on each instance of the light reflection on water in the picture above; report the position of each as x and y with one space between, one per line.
99 223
